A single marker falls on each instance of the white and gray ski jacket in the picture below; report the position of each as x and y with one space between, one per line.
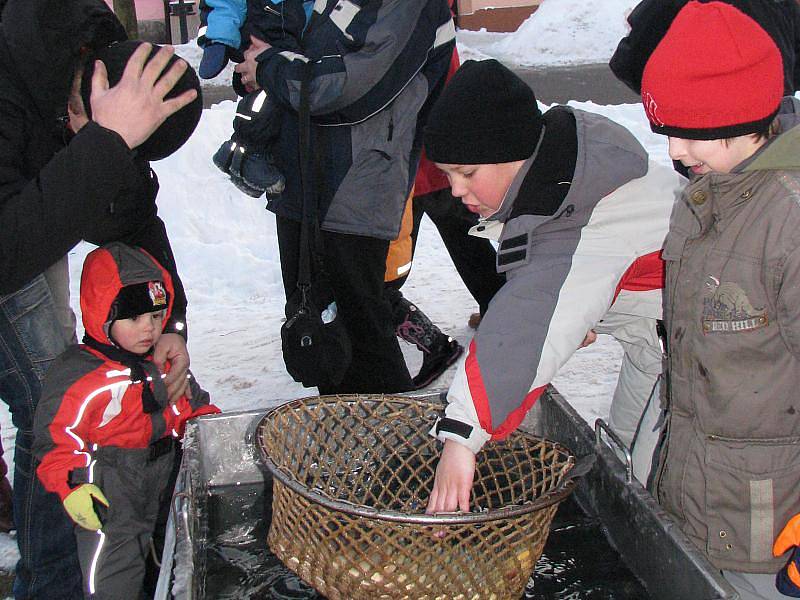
566 261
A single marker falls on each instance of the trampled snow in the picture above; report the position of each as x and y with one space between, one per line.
225 245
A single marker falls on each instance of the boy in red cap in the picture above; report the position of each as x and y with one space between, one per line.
105 431
729 472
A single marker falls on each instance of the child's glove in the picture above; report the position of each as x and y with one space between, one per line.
87 506
788 578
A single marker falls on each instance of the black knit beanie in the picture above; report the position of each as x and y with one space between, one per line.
485 115
139 299
173 132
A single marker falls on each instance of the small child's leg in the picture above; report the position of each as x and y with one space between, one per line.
113 560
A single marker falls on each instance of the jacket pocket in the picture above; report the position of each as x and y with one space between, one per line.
371 197
751 492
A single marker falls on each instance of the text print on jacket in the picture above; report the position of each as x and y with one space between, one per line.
570 247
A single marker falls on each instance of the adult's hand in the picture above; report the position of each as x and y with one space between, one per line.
136 107
171 348
453 483
248 68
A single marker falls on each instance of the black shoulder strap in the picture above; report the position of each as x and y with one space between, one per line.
307 183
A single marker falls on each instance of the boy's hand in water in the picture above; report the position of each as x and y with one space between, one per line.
453 483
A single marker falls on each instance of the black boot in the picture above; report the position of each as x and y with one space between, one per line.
443 353
439 350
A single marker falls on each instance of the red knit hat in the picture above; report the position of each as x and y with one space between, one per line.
715 74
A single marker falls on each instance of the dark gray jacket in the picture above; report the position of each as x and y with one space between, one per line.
377 66
56 190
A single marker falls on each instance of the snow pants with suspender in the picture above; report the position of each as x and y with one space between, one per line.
135 481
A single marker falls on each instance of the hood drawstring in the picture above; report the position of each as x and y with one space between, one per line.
139 372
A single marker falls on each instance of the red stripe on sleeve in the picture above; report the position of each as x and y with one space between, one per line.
476 388
645 273
481 402
515 418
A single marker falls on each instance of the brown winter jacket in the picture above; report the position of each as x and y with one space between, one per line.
731 470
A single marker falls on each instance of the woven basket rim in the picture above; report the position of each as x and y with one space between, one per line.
561 491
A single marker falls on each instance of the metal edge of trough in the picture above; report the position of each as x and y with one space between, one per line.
650 543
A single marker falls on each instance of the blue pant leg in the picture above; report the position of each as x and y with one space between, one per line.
30 338
225 20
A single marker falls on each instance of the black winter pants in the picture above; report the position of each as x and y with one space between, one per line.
355 266
474 258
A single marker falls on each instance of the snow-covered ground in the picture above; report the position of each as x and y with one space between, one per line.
225 243
559 33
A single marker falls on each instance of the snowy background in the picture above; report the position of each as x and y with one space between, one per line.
227 253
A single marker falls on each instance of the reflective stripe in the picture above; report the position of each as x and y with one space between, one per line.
82 409
202 30
761 520
95 560
343 14
445 33
258 103
245 117
293 56
404 269
113 373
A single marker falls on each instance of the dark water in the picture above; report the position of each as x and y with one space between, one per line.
577 563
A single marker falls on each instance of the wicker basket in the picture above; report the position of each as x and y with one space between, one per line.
351 478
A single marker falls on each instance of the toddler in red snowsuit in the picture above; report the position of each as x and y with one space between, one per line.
104 429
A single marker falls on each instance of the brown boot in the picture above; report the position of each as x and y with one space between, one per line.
474 320
6 510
